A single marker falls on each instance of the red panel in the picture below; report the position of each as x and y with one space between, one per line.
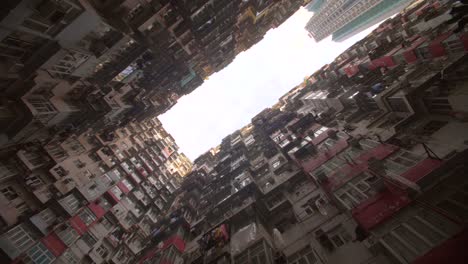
166 152
349 171
436 47
421 169
410 56
437 50
122 187
78 225
380 152
54 244
315 162
451 251
372 66
386 61
378 209
351 70
97 209
464 39
343 175
142 172
177 241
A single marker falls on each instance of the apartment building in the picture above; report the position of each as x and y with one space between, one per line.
76 63
346 168
342 19
88 198
362 163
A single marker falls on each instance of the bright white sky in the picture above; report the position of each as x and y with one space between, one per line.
255 80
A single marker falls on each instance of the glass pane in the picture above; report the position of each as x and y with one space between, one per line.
337 241
441 223
399 248
412 239
356 195
425 231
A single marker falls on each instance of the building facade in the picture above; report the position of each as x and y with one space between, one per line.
364 162
343 19
88 198
73 64
363 166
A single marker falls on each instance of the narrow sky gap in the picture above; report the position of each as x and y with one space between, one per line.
254 81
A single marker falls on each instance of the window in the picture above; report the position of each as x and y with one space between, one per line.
40 254
117 173
107 225
41 105
432 127
355 191
398 104
130 219
6 171
70 203
170 254
20 237
320 131
274 200
70 257
417 235
48 216
277 163
249 141
33 180
87 216
117 192
107 180
310 206
256 254
303 256
127 184
333 238
102 251
9 192
67 234
89 239
401 161
331 165
456 204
